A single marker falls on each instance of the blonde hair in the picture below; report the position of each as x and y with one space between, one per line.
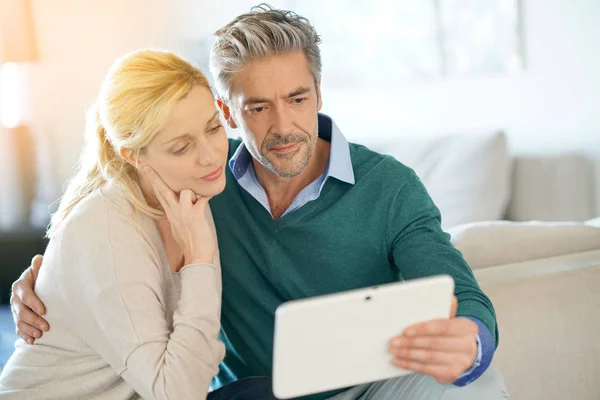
136 98
262 32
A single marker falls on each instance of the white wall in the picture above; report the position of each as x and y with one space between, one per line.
78 40
554 105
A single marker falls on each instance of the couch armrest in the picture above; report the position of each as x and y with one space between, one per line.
549 327
537 268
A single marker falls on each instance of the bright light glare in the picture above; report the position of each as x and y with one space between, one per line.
11 110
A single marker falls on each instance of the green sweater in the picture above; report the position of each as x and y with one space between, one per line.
383 229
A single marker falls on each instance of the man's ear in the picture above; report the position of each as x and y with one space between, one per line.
131 157
226 111
319 96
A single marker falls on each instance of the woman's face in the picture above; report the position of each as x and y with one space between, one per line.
191 151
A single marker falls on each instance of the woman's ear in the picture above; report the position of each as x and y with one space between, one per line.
131 157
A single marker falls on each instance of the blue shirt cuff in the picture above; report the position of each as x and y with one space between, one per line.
477 361
485 352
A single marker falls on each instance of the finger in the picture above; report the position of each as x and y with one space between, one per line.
161 189
32 302
23 289
28 330
36 263
451 344
444 374
202 201
443 327
15 303
453 307
23 295
26 315
428 356
164 204
190 202
28 339
187 198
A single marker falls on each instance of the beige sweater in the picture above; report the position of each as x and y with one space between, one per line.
122 324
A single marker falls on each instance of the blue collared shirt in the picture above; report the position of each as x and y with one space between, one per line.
339 167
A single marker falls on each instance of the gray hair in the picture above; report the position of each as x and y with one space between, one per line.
262 32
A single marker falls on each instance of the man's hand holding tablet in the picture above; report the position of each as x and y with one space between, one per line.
442 348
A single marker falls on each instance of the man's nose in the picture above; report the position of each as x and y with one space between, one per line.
282 121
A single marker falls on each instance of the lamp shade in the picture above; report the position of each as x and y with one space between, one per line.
17 37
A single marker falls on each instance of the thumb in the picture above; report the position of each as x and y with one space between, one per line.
202 201
454 307
36 264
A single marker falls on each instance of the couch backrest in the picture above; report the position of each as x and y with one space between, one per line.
474 177
554 188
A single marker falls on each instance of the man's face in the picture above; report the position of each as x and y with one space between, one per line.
275 103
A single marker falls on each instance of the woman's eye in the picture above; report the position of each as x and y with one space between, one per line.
215 129
181 150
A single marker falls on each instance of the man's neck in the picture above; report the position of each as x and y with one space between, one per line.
281 192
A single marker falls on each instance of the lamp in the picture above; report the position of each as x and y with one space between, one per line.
16 32
17 148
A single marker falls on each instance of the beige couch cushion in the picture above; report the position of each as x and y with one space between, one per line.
486 244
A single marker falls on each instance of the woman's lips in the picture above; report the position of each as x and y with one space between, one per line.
216 174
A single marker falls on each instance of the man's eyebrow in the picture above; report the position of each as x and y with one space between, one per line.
298 92
259 100
255 100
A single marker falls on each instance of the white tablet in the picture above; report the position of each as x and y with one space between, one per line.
336 341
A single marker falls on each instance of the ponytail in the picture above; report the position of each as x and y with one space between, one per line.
99 164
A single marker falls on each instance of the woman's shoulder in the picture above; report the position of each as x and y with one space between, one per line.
105 212
95 209
103 231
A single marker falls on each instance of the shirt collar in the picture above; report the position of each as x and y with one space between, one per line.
339 165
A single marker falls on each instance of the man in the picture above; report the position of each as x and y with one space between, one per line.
305 213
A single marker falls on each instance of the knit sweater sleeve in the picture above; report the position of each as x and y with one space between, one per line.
419 248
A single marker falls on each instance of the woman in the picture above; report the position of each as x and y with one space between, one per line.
131 275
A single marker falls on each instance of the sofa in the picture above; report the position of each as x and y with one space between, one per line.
542 277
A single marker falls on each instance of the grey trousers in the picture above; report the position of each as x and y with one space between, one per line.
489 386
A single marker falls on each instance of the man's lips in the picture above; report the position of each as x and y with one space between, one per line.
288 148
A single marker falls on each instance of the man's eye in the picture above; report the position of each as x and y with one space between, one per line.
300 100
258 109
